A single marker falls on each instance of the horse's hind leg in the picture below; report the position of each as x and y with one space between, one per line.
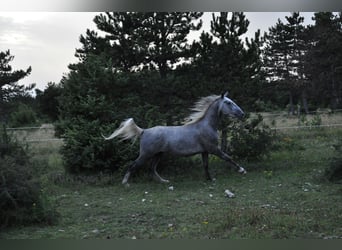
128 174
132 168
155 161
205 165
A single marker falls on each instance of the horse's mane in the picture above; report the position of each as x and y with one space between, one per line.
200 108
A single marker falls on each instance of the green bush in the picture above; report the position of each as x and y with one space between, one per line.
334 172
23 116
250 139
94 101
314 122
22 200
85 150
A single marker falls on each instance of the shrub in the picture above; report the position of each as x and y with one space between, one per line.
334 172
24 115
314 122
21 198
250 139
85 150
94 101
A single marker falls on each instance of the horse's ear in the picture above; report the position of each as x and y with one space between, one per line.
224 94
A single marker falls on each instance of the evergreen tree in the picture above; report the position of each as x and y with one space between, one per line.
167 36
87 106
94 100
151 41
324 59
47 100
284 53
229 62
134 40
9 87
298 43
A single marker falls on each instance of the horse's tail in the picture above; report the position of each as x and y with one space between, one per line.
127 130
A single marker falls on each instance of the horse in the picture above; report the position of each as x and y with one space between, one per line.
197 135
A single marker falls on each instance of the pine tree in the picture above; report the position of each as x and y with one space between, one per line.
9 87
122 41
284 58
167 36
47 100
324 59
227 61
88 106
298 44
134 40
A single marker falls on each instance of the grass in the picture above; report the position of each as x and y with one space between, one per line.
283 196
282 119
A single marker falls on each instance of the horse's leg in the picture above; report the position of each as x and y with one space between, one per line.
132 168
155 162
205 165
227 158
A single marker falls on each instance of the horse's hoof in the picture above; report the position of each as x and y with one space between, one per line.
126 185
211 179
160 180
242 171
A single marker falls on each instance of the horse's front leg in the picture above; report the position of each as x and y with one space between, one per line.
227 158
205 165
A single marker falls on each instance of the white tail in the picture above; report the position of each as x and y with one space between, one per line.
127 130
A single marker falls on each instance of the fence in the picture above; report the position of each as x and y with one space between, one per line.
277 121
44 133
315 119
307 126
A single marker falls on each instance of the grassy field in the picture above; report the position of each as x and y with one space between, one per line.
282 119
283 196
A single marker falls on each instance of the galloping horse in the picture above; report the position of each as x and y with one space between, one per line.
198 135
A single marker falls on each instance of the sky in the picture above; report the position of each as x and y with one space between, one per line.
47 41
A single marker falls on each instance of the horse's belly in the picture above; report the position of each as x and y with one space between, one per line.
173 140
183 148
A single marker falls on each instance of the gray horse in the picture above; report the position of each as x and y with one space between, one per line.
198 135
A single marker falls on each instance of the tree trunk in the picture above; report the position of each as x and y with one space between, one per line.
162 69
291 107
305 101
334 92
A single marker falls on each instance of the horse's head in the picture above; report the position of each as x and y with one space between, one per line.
228 107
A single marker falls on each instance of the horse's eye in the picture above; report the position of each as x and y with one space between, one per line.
229 103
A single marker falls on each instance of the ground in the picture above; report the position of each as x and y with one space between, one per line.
283 196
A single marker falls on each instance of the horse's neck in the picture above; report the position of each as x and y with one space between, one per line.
211 117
